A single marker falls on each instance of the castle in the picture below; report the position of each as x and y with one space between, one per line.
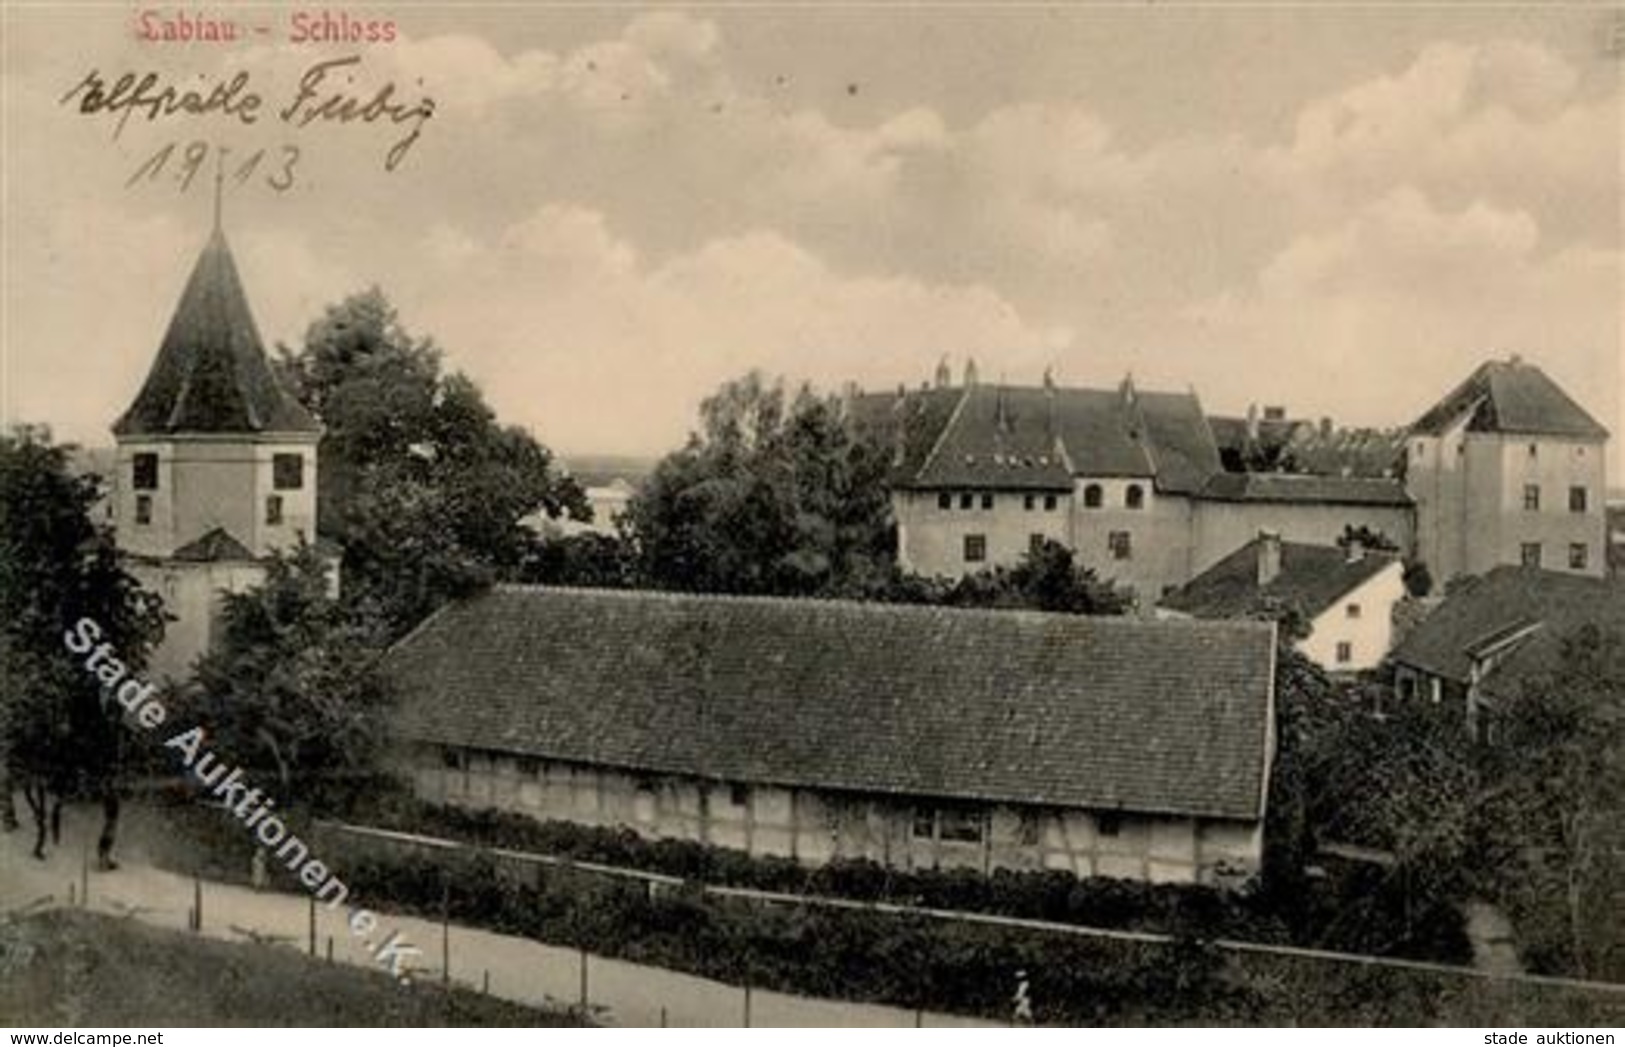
1150 491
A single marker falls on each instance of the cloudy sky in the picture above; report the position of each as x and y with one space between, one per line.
1339 209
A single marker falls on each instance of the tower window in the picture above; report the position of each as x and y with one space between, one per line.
1577 499
1092 496
273 510
287 471
1529 554
975 548
1049 502
143 509
144 471
1135 497
1578 557
1531 497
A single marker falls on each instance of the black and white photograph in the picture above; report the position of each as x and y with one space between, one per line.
944 515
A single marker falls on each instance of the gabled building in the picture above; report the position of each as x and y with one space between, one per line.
1490 632
216 463
1132 481
916 737
1508 469
1345 595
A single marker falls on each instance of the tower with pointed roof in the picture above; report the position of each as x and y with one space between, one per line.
216 462
1507 469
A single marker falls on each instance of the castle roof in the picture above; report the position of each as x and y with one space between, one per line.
1017 437
916 701
1510 396
211 374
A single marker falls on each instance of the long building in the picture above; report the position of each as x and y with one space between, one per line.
1150 491
916 737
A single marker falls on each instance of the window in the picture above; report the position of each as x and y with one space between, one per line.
287 472
925 824
987 501
1534 450
1109 824
144 471
273 510
1345 652
1092 496
959 826
1529 554
1030 502
1035 544
1134 498
143 509
738 795
1578 556
967 500
1120 545
1352 610
975 548
528 767
1049 501
945 500
454 759
1531 497
1577 499
1027 832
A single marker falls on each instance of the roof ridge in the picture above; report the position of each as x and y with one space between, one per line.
870 606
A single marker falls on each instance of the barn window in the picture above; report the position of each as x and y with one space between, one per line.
960 826
1109 823
738 795
925 823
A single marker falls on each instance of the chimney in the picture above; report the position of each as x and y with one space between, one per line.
944 378
1252 422
1325 428
1354 549
1274 413
1269 557
1049 380
970 372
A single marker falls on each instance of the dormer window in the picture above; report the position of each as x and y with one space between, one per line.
144 471
287 472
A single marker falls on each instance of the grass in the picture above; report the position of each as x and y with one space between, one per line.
68 968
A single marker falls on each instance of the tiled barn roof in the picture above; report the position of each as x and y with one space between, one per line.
211 374
915 701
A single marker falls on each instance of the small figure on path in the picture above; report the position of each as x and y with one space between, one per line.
257 871
1023 1000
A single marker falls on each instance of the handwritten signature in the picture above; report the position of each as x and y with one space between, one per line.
234 99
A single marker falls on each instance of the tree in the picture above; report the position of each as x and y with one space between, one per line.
419 484
772 495
56 568
1047 579
291 690
1559 820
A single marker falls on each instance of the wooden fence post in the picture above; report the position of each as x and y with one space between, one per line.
583 981
747 1005
313 925
197 905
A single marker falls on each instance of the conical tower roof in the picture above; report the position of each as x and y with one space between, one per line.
211 374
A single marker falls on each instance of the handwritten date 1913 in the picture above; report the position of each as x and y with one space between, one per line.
278 166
